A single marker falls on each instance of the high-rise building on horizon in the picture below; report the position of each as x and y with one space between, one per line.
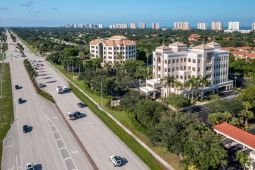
142 25
217 25
118 26
201 25
155 26
234 25
181 26
100 26
133 26
253 26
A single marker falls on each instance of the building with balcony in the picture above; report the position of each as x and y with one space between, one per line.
142 25
181 26
114 49
234 25
155 26
133 26
217 25
182 63
201 25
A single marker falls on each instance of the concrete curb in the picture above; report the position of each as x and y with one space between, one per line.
154 154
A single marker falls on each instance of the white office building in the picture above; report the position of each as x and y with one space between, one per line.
114 49
217 25
201 25
181 26
100 26
182 63
234 25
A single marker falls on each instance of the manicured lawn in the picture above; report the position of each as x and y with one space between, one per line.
6 105
124 118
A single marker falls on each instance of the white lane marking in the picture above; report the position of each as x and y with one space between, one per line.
64 147
74 152
11 168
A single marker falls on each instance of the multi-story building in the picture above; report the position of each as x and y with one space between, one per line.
181 26
118 26
201 25
155 26
143 25
253 26
114 49
234 25
178 61
100 26
133 26
217 25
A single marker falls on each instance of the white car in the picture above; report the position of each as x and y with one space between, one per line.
29 166
116 160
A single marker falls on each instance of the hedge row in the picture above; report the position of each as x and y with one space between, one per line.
32 75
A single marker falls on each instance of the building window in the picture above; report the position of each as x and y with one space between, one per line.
194 61
189 68
184 59
177 60
193 69
189 60
173 60
198 61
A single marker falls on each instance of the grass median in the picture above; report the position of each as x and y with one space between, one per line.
126 138
32 74
6 105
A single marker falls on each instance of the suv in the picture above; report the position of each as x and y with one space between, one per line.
25 128
29 166
116 160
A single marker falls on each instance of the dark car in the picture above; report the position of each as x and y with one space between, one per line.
20 100
78 115
81 105
25 128
17 87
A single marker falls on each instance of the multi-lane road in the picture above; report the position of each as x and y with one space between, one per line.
51 144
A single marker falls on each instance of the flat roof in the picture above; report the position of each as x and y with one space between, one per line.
236 134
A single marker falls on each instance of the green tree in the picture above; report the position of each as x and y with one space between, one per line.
242 158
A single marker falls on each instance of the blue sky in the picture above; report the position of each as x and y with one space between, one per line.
58 12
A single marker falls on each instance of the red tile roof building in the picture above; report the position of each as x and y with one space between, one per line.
236 134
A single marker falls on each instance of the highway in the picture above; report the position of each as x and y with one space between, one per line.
50 144
97 138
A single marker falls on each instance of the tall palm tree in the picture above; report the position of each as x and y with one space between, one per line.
148 53
203 82
178 84
170 80
191 84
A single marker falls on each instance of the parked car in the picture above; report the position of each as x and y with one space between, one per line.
116 160
25 128
29 166
81 105
20 100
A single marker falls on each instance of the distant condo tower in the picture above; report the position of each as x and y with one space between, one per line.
253 26
217 25
201 25
155 26
234 25
181 26
143 25
100 25
133 26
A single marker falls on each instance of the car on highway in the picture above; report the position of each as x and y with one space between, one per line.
20 100
25 128
81 105
116 160
17 87
29 166
40 85
74 115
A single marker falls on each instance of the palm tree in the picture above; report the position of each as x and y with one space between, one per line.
191 84
242 158
203 82
246 114
148 53
178 84
120 57
170 80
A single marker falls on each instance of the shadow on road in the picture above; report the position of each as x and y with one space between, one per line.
51 81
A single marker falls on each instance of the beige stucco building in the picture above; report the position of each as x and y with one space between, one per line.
114 49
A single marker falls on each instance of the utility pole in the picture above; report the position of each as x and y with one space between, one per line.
2 74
